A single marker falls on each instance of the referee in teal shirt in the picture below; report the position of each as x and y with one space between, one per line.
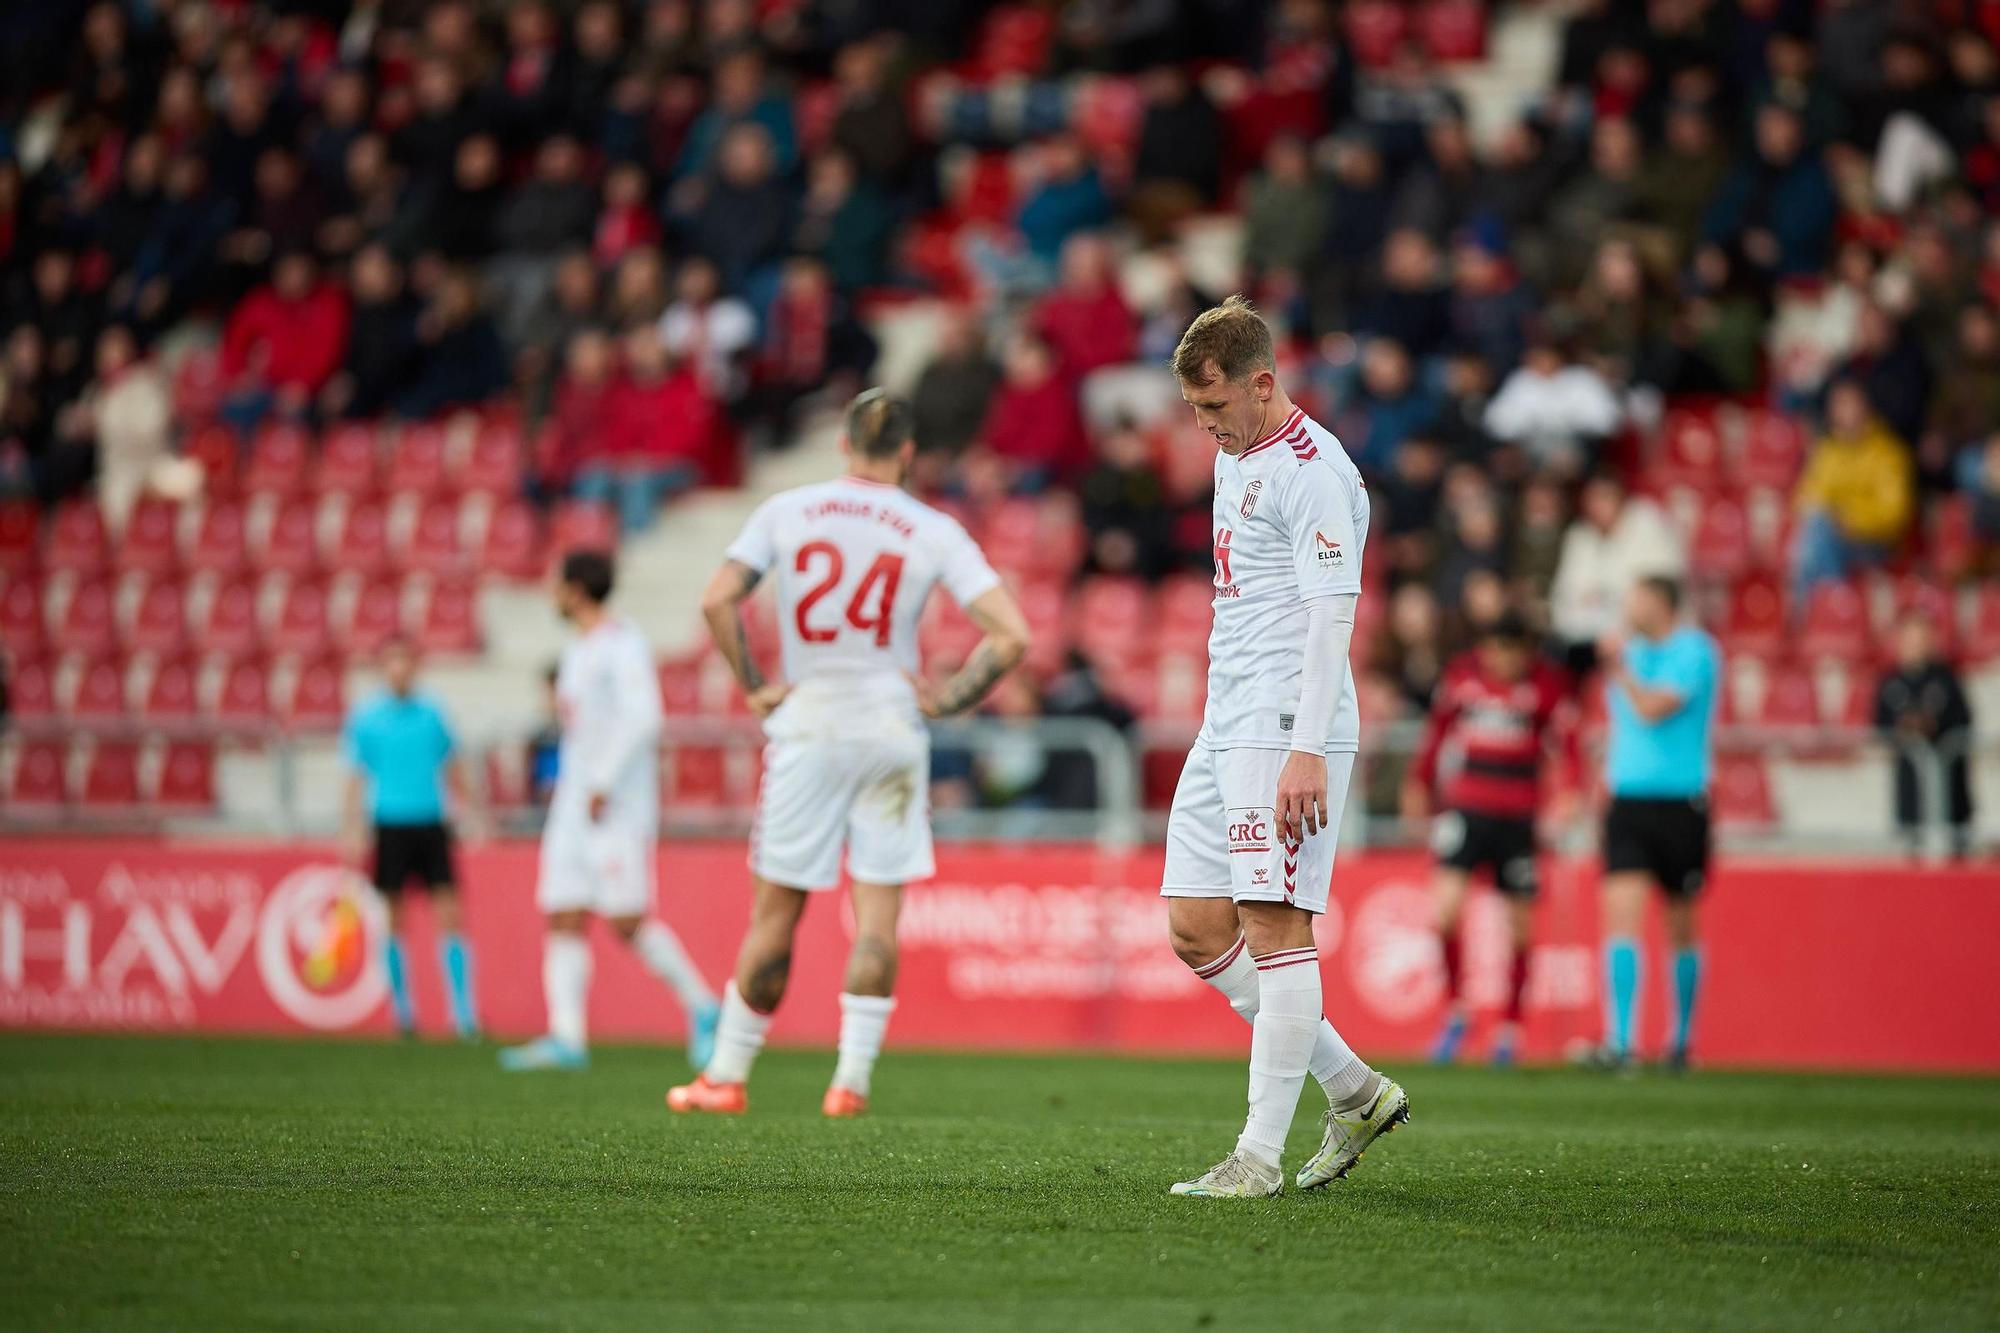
1662 685
403 756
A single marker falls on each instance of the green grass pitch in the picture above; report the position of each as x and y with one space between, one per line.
182 1184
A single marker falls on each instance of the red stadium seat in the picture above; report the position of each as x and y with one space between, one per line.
583 527
1721 547
680 688
19 524
1184 612
512 543
1857 700
244 697
375 618
1106 115
1014 40
1755 622
1774 449
24 625
1791 699
318 702
303 625
112 777
349 461
100 691
215 448
172 694
1375 28
434 546
1741 794
89 621
41 777
496 462
187 777
77 539
151 543
231 625
220 539
159 620
291 544
31 687
1691 450
699 776
198 386
362 545
1109 624
280 460
417 463
1836 624
450 619
1454 31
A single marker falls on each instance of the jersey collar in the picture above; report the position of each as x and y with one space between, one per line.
1291 423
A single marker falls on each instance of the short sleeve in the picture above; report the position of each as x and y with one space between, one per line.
1688 670
757 545
963 568
1326 552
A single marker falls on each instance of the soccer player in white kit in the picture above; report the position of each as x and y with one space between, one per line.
1250 841
847 759
603 825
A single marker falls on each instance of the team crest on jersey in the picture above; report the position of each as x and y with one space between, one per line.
1250 496
1327 552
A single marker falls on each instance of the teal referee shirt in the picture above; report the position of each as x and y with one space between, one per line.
401 745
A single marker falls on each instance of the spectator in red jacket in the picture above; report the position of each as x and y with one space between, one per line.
1085 318
283 343
578 432
1035 423
657 426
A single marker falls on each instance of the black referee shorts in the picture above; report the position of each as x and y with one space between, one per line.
413 853
1667 839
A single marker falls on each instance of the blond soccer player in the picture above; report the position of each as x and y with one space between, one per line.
1251 838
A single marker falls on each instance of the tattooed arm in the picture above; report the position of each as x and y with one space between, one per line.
719 606
999 616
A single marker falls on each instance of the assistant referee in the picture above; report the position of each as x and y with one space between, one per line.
403 755
1662 684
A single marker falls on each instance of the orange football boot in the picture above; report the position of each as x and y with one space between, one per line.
843 1103
715 1098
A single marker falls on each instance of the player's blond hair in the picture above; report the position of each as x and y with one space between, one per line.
1232 335
878 423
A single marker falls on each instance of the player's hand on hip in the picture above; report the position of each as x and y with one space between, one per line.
764 700
599 802
1302 804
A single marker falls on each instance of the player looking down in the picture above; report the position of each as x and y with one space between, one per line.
1256 815
847 758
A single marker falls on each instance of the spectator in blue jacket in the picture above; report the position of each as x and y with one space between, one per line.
1778 207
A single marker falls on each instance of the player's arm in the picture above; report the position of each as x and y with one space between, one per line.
1318 507
721 607
635 731
1653 703
1004 643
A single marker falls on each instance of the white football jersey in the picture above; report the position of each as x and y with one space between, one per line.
1291 516
608 700
854 561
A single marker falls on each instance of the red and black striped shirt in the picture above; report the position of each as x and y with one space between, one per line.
1497 731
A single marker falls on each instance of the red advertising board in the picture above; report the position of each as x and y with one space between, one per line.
1044 946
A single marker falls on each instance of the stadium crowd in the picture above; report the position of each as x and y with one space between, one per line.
660 229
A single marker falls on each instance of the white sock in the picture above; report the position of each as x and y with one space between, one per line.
1281 1044
863 1020
566 986
738 1038
660 949
1338 1070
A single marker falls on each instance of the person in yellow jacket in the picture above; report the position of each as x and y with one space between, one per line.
1856 497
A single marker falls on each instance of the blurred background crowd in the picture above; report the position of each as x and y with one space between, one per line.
1714 291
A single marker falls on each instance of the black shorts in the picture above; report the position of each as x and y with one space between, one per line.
1667 839
412 853
1473 842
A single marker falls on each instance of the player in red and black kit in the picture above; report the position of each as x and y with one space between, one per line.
1498 709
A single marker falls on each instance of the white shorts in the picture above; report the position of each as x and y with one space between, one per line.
1222 837
607 867
870 796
